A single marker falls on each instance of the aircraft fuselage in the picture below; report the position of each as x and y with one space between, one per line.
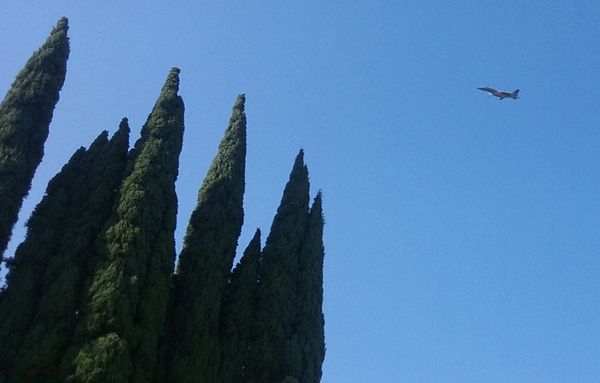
501 95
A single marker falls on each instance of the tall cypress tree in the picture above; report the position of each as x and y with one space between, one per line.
124 309
239 311
39 306
25 115
310 321
206 259
277 348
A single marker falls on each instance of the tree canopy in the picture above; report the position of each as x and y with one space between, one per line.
93 295
25 115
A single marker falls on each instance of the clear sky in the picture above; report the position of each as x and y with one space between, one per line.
462 232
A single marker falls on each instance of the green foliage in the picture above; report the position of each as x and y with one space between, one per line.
206 259
91 295
25 115
277 348
126 302
40 305
106 359
310 321
237 324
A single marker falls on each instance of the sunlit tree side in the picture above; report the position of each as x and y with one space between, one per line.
25 115
125 307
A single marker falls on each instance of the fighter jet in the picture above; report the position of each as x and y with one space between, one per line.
501 95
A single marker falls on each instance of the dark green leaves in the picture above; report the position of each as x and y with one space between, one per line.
25 115
39 309
91 293
206 259
127 299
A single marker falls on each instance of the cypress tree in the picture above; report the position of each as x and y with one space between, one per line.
39 306
239 314
25 115
206 260
125 306
310 320
277 348
18 301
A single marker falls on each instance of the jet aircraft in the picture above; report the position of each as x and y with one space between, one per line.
501 95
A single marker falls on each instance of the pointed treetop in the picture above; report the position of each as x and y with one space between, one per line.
122 134
123 127
172 82
299 170
58 38
238 115
317 206
167 113
100 140
240 102
294 202
62 25
299 158
168 93
229 165
255 241
251 254
237 122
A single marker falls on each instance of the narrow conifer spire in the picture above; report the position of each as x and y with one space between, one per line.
239 310
25 115
277 352
229 165
310 320
125 306
206 259
168 99
294 200
40 305
121 137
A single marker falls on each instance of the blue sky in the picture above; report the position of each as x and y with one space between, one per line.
462 232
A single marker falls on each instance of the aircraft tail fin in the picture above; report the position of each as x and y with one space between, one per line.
515 94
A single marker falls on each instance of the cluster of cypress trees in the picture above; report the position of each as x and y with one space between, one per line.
93 294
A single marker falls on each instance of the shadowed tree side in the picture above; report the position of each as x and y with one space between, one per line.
38 308
277 352
25 115
18 302
206 259
238 318
125 306
310 320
